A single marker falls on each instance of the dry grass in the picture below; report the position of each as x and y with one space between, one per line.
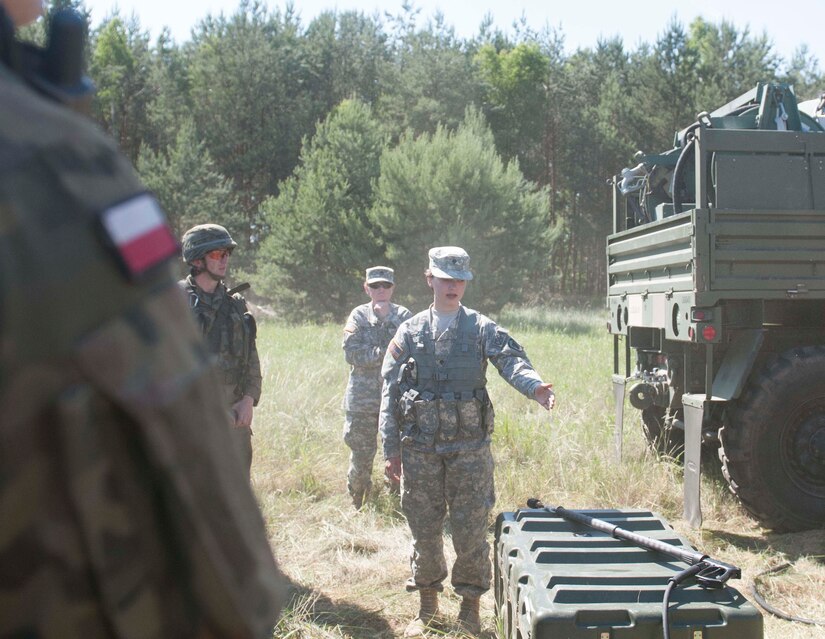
348 568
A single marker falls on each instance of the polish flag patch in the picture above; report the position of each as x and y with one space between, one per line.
138 231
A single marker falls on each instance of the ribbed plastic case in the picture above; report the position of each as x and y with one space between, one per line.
556 579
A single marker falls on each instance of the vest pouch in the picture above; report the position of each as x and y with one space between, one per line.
448 419
488 415
426 422
470 415
236 334
405 409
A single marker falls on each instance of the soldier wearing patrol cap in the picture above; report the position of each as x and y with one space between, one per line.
228 326
368 330
120 514
436 422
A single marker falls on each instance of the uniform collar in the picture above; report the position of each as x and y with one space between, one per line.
220 290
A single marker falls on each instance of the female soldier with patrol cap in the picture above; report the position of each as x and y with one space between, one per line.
368 330
437 422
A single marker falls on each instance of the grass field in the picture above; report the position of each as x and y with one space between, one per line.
347 568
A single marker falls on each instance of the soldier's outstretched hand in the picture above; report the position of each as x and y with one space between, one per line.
545 396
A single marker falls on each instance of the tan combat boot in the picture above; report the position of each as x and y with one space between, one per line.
359 498
426 613
469 617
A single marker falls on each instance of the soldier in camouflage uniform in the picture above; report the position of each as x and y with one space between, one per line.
368 330
437 423
227 325
120 514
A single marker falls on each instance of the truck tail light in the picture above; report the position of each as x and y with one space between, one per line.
701 314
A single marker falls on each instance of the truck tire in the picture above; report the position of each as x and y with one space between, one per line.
664 442
773 442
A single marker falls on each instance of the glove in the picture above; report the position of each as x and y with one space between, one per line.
392 470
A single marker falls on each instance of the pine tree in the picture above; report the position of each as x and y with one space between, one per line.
320 238
452 188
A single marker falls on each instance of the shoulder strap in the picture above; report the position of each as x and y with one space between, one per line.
240 288
213 337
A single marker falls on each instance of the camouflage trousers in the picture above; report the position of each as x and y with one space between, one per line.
361 435
243 439
459 485
241 435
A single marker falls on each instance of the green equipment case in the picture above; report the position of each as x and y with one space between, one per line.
559 579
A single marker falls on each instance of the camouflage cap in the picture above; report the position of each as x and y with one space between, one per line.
450 262
380 274
201 239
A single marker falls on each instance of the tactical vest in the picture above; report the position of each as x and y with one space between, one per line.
446 406
228 332
458 374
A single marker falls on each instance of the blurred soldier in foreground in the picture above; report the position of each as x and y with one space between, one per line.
120 514
368 330
437 424
227 325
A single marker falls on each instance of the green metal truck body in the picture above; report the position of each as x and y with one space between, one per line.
716 298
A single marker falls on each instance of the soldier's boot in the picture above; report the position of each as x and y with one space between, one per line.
427 612
393 487
360 496
469 617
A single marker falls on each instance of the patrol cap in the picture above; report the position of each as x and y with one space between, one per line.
380 274
450 262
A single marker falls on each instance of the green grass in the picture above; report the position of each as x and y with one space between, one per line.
348 568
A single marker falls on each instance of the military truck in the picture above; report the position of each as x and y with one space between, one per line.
716 297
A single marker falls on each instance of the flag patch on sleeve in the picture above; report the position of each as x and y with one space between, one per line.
394 349
138 232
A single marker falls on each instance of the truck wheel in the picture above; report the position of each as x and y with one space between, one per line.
666 442
773 442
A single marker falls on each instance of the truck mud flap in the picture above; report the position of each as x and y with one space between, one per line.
619 386
556 578
694 406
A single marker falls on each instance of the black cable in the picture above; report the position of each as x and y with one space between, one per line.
689 141
665 613
672 583
677 183
775 611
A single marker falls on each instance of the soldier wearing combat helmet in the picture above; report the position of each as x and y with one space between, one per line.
437 423
368 330
227 325
120 513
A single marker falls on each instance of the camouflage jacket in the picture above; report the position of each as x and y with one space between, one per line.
365 342
230 332
448 408
120 513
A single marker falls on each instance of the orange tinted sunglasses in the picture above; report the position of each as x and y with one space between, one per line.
219 254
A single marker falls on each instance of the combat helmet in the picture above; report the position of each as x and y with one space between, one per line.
201 239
